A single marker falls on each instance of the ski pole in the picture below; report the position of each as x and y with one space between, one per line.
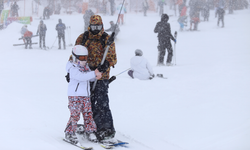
175 36
114 77
53 43
109 42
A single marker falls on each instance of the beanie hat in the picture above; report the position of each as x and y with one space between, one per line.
138 52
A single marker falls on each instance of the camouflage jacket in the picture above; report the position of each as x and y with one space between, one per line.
96 51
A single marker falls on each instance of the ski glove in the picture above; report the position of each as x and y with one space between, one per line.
175 40
67 77
104 66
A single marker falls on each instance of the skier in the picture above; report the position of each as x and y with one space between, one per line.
164 35
27 38
140 68
42 33
145 7
221 12
114 28
78 94
182 19
121 15
60 27
14 10
195 19
95 40
46 12
86 17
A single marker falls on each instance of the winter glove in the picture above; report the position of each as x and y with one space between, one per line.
175 40
67 77
104 66
111 39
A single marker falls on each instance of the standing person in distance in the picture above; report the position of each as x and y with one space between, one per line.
164 35
79 94
145 7
95 40
86 17
42 33
60 27
221 12
123 10
140 68
114 28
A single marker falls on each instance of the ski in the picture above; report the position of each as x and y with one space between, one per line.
22 44
31 36
85 148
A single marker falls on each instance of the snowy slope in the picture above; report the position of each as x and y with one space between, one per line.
203 105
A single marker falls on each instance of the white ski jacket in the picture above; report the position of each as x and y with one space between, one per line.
79 80
141 67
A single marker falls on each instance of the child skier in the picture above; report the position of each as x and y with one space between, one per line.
79 94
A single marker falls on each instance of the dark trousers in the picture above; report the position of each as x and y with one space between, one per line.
100 106
28 41
41 39
162 51
61 37
221 18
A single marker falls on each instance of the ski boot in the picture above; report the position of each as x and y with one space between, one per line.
71 138
91 137
105 135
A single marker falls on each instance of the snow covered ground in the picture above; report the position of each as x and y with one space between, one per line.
203 105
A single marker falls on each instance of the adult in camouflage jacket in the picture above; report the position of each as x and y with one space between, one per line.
164 35
99 97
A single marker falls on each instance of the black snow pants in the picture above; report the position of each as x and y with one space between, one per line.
163 45
100 106
61 37
41 39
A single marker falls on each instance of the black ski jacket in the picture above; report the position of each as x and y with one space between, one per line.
164 32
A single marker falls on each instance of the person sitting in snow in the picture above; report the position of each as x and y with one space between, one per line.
79 76
140 68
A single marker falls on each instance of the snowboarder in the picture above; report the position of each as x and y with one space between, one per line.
140 68
164 35
145 7
114 28
41 31
95 40
14 10
86 17
78 94
60 27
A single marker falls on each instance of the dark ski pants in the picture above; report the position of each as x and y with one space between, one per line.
61 37
41 39
28 41
100 106
162 52
220 18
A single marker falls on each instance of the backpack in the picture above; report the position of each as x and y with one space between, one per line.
102 39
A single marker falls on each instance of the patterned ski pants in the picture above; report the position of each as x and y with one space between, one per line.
77 105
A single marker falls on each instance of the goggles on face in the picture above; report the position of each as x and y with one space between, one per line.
81 58
95 27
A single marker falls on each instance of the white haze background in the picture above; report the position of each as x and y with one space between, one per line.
203 105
